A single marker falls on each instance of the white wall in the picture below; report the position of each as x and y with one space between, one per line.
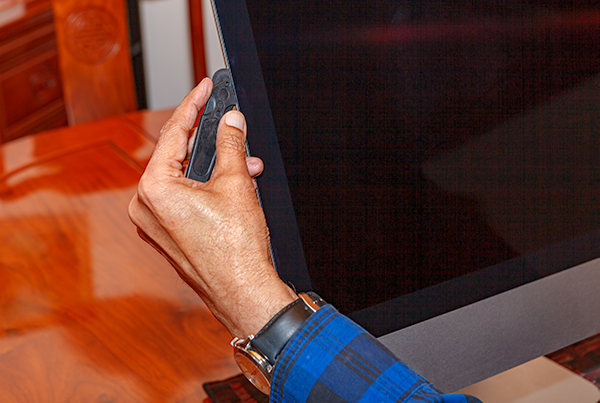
167 50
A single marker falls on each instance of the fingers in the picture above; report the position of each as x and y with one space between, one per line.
255 166
231 145
172 146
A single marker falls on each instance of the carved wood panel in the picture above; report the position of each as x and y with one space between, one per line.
95 60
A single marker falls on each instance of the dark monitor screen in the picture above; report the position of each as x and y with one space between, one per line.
421 155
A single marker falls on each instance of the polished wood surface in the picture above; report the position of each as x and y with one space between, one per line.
95 60
88 312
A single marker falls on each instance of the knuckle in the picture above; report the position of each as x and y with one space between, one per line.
172 126
148 191
168 126
144 190
133 211
233 143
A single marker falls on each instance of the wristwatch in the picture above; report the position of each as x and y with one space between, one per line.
256 355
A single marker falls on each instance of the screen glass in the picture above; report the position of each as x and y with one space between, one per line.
432 143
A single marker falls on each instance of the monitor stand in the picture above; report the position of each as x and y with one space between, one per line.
537 381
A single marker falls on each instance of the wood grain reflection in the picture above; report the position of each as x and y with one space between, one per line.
88 312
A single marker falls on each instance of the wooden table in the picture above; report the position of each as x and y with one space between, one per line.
89 312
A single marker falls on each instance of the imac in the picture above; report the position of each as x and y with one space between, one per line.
432 168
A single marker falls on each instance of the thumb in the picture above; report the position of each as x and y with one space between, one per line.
231 144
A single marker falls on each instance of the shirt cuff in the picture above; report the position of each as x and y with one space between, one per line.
333 359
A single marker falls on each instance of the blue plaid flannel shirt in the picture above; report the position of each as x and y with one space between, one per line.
332 359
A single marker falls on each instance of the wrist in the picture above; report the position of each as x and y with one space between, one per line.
246 298
245 303
261 307
258 353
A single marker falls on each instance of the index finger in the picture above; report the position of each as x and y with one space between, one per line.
171 147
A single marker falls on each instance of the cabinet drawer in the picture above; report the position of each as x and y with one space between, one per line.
30 87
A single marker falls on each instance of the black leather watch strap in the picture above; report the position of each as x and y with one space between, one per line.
273 337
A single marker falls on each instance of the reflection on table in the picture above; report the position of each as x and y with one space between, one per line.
88 312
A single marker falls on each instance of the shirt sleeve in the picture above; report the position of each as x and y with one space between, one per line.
332 359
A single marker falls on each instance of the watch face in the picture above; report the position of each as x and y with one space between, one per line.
254 372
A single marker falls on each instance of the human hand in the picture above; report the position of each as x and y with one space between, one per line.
214 233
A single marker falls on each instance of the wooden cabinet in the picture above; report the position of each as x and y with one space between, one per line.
67 62
31 98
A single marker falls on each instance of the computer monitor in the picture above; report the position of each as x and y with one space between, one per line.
432 168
